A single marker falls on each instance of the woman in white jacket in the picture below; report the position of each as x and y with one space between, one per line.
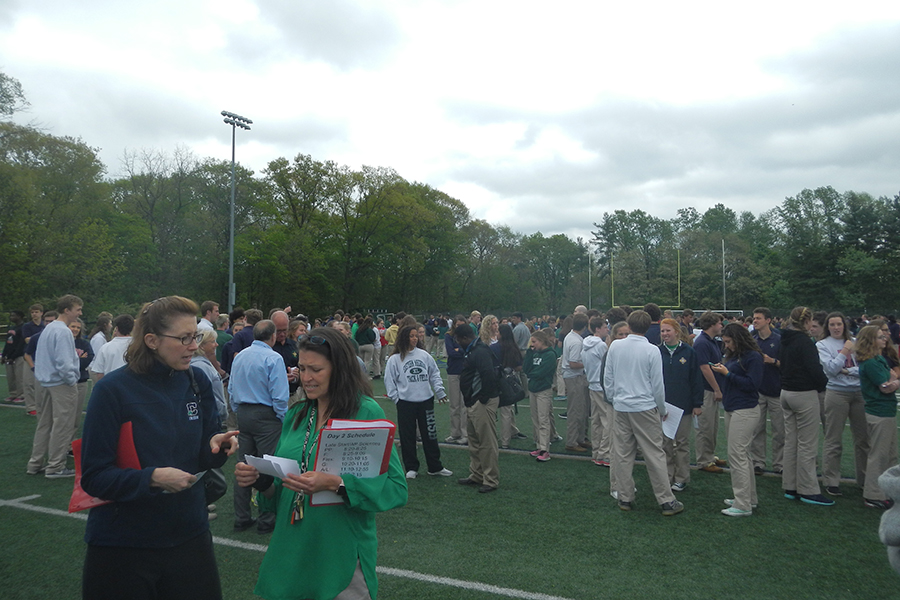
412 380
843 399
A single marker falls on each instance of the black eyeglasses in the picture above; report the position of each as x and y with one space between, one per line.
185 340
313 339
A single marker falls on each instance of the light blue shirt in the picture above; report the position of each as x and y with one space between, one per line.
258 376
55 359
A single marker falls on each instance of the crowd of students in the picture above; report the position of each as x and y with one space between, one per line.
782 384
623 374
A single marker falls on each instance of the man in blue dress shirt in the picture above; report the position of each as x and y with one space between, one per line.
259 397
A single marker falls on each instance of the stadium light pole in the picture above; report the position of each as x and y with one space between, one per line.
244 123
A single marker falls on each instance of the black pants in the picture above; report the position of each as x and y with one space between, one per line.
187 572
421 414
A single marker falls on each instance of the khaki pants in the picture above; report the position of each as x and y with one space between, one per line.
740 425
882 453
541 417
577 408
560 382
602 414
507 424
14 382
770 405
484 456
458 416
705 441
801 441
385 353
79 408
367 354
56 420
640 429
838 407
30 387
678 451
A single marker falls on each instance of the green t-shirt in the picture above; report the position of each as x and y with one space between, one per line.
872 373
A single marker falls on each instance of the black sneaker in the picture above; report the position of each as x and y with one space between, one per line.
239 527
817 499
564 415
626 506
671 508
791 494
882 504
833 490
758 470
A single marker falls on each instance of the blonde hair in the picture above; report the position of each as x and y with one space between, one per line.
208 334
485 331
867 343
800 316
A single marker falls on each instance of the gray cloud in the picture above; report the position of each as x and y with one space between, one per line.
837 124
347 34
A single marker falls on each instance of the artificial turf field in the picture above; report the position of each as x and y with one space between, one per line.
550 532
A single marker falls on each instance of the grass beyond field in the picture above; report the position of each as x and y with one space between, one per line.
550 532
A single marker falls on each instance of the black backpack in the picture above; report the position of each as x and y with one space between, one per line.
511 390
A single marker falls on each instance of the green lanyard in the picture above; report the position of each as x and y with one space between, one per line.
297 511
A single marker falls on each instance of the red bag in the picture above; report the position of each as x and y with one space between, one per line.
126 458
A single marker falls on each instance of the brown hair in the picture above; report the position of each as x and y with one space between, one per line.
156 317
347 384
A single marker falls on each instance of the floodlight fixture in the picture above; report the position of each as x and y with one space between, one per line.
244 123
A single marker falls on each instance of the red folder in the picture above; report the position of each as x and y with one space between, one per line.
126 458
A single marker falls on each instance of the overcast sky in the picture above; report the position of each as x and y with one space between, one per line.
538 115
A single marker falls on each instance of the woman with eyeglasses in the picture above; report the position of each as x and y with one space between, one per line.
153 540
326 551
879 387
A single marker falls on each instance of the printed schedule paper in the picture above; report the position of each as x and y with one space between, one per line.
359 448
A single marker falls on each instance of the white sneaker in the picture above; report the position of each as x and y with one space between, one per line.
442 473
412 474
60 474
734 512
730 502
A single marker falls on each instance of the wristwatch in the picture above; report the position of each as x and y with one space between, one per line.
342 490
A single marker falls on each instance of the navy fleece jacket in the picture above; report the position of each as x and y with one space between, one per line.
172 428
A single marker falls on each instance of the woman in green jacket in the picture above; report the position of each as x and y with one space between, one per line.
879 387
539 365
318 552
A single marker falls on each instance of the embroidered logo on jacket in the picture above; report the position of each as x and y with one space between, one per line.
193 411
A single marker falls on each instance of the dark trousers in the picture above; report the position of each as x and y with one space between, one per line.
185 572
259 433
421 414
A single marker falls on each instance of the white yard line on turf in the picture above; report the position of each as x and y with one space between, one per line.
22 503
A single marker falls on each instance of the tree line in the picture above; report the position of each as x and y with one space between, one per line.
320 236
